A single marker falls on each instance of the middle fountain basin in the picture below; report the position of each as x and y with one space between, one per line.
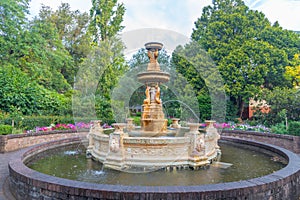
120 152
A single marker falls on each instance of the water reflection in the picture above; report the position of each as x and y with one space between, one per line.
246 164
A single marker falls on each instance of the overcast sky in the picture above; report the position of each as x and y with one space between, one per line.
178 15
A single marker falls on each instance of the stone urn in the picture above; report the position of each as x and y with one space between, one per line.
175 123
119 127
194 127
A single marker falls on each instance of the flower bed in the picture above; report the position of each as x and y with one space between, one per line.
243 127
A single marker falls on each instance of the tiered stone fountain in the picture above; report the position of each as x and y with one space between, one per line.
151 147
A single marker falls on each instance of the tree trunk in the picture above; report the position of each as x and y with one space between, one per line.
241 105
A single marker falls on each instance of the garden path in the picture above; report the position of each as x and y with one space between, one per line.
4 190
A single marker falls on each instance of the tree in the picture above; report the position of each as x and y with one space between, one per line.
106 18
195 64
72 31
20 93
239 41
12 21
284 103
44 56
34 46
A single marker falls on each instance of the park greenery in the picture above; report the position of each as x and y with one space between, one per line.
41 57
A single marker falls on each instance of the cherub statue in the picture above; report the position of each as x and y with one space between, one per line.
157 94
147 92
153 56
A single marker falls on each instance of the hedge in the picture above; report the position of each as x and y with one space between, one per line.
294 128
5 129
31 122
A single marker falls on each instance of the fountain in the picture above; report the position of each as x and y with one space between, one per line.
153 146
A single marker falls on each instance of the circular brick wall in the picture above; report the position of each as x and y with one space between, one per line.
26 183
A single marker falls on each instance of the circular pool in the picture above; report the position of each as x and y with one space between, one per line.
238 162
284 183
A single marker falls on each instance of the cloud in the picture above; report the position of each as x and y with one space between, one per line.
286 12
180 16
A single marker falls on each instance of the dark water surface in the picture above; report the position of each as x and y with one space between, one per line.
247 162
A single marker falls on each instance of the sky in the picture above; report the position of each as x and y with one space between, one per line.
178 15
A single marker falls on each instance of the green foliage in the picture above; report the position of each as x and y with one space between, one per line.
231 111
194 64
71 27
104 110
31 122
204 106
19 92
279 128
136 120
294 128
96 78
284 103
12 21
5 129
248 51
188 70
292 72
106 18
45 57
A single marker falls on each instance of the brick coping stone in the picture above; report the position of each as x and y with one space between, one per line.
26 183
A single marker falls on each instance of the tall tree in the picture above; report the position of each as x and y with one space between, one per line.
72 31
106 18
248 51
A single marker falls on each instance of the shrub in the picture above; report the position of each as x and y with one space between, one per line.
5 129
138 114
294 128
31 122
136 120
279 128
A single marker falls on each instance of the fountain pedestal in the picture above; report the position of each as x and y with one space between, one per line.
153 122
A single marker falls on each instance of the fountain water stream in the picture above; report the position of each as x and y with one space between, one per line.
152 147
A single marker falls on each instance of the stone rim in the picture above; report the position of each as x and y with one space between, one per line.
153 45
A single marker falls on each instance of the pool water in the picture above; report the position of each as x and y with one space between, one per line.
247 162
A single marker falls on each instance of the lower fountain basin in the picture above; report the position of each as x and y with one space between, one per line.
26 183
237 163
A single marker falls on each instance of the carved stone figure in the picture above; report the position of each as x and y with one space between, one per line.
157 94
153 56
147 92
114 145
